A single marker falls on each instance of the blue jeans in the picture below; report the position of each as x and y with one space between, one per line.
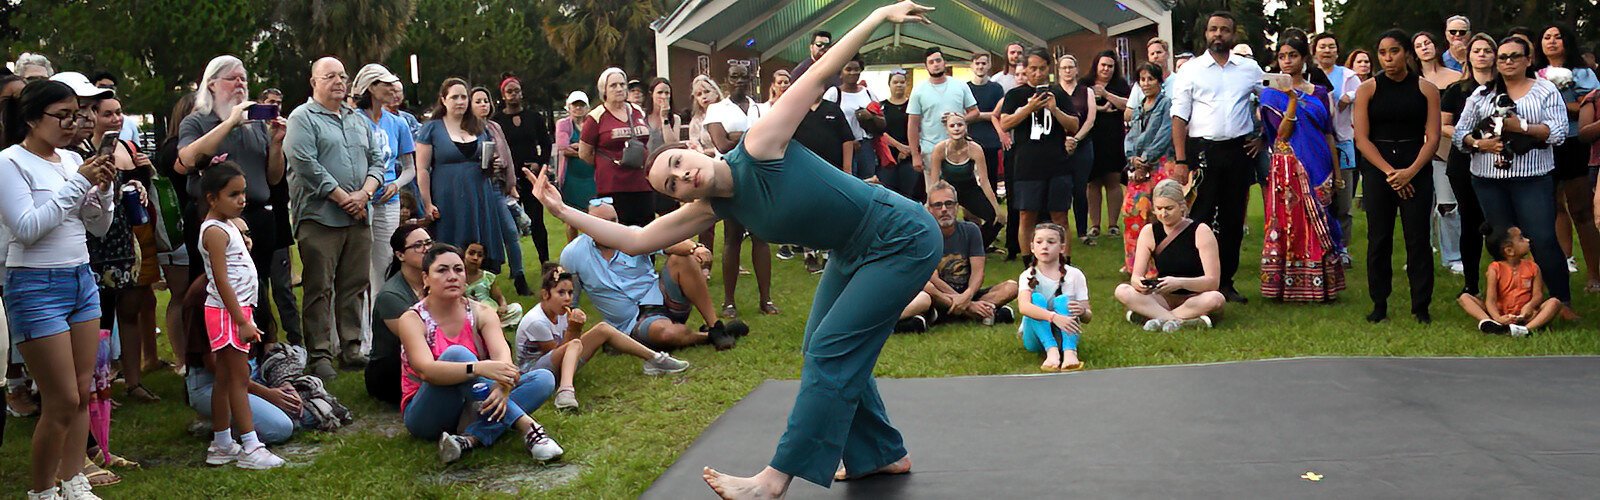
512 239
866 160
1528 203
272 425
436 409
1038 336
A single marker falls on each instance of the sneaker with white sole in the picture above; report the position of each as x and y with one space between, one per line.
1153 325
1519 330
54 493
259 458
1456 268
540 445
77 488
785 252
664 364
1493 327
1171 325
222 456
451 447
566 400
1005 315
1203 321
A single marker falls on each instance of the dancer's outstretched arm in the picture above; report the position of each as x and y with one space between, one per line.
768 138
667 230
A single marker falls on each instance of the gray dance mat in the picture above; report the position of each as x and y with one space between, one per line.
1367 427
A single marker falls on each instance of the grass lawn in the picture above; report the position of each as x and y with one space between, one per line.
632 427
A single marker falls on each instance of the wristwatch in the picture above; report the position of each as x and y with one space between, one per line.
469 368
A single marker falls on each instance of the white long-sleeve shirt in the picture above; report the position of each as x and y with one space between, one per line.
1216 100
47 207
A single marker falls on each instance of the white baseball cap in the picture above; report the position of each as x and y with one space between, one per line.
82 87
577 96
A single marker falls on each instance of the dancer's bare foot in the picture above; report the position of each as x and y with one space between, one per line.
1052 361
740 488
901 466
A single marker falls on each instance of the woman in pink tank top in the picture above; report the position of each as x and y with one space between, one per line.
456 367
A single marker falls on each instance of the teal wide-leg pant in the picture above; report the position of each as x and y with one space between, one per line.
838 414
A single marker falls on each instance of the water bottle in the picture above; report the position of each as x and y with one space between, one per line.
130 201
480 392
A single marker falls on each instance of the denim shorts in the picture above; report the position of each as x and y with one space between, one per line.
45 302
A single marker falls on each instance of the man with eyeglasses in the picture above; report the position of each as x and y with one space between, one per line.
1458 31
335 168
652 308
820 41
956 289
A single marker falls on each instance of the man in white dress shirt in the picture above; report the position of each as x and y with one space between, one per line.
1214 134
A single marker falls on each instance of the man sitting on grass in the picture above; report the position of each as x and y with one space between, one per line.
652 308
955 290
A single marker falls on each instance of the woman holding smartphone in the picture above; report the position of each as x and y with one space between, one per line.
49 200
1300 253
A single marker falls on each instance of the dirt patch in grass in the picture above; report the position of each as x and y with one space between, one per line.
511 479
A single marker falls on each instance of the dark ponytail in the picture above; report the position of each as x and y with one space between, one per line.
16 112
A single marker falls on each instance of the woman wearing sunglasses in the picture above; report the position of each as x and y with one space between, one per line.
884 247
1518 192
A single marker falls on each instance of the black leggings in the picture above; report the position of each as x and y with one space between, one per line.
977 206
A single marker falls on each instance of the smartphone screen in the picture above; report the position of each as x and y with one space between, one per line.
262 112
108 143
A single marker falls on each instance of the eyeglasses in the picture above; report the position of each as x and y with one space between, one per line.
944 205
739 62
1510 57
419 245
821 44
1456 32
600 201
69 119
340 77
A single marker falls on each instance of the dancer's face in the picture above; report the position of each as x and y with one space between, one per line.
684 175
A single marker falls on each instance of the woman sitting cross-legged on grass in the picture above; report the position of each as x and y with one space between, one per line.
1055 301
549 338
1511 301
480 287
453 356
1176 269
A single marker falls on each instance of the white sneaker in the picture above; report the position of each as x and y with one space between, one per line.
1203 321
77 488
259 459
1457 268
1519 331
1572 264
663 364
540 445
223 456
1171 325
54 493
451 447
1153 325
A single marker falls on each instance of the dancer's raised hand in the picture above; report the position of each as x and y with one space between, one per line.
906 12
544 191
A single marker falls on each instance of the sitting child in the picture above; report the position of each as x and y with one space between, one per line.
549 338
480 287
1512 302
1057 302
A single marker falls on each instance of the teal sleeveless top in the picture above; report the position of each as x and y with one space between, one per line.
957 173
799 199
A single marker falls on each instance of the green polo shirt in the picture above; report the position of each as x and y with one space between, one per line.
328 150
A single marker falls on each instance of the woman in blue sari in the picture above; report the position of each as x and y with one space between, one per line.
1300 256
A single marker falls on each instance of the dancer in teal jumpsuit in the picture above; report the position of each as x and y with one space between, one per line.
884 248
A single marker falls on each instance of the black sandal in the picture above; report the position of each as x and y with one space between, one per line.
142 394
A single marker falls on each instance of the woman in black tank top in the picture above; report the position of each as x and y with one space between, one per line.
1396 131
1176 268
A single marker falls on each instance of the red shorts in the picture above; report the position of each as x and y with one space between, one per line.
223 332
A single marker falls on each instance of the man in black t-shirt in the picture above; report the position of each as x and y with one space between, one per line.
1036 115
825 132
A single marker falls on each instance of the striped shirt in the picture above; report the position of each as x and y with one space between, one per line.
1541 105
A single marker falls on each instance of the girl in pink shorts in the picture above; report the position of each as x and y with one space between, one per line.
230 301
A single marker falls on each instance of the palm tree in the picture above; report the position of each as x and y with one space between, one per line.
594 34
355 31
